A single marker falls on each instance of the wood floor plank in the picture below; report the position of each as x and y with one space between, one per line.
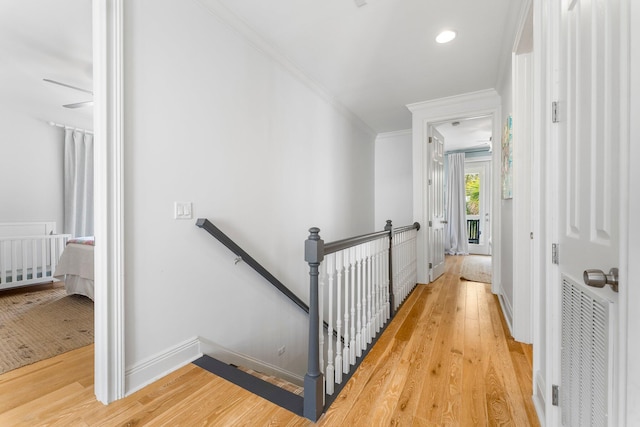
504 364
423 342
447 358
432 395
474 408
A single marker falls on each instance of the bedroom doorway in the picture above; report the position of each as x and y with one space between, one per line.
55 45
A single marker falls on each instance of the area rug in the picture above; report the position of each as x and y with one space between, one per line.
39 324
476 268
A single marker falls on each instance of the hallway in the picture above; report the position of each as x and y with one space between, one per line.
445 359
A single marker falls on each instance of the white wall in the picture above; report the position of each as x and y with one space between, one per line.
31 175
211 119
506 208
393 179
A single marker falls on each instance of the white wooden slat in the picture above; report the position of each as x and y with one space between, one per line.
358 299
339 258
3 263
370 334
321 281
14 261
330 372
346 351
352 334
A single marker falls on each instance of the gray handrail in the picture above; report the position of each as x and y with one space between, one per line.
248 259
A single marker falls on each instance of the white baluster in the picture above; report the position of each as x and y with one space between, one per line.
358 251
369 293
385 289
363 328
380 313
321 298
330 376
378 286
339 257
346 351
352 343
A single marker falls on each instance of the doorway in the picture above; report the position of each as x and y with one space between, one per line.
477 104
471 136
478 205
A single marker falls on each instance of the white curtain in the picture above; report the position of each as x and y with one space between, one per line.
78 182
456 240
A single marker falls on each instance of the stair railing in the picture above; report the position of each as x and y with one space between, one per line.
250 261
356 286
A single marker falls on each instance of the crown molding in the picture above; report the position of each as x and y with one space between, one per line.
241 27
394 134
480 100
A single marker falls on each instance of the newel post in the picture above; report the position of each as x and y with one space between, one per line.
313 380
389 228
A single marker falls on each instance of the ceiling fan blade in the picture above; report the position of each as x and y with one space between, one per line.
79 104
69 86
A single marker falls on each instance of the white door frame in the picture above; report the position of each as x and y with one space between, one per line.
109 195
481 103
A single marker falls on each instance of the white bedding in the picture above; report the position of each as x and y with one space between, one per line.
75 268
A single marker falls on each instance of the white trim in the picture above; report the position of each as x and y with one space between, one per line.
238 359
109 195
507 310
628 414
539 388
240 26
486 102
522 90
394 134
162 364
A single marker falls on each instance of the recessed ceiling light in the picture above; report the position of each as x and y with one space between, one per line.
446 36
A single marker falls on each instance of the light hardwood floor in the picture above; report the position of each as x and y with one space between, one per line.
446 359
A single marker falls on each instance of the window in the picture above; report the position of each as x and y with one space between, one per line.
472 186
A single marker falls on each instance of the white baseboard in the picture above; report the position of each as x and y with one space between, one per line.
231 357
539 398
161 364
507 310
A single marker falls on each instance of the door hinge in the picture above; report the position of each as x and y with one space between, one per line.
555 395
554 112
429 181
554 253
430 139
430 265
430 223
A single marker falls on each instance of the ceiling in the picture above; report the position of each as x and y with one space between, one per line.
373 60
46 39
468 134
378 58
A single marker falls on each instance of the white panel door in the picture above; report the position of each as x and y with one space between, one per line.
435 152
588 146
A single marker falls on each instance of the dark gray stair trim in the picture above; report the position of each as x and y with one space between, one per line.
266 390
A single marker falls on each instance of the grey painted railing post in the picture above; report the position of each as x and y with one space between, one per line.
389 228
313 380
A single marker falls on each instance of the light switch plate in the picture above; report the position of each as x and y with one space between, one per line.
182 210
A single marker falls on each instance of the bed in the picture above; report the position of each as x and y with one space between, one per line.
75 267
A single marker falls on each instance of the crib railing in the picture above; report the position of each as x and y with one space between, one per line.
356 286
26 260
